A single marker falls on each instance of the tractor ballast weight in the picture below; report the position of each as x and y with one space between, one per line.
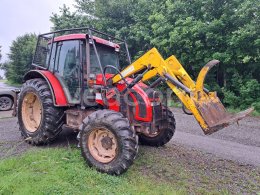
71 86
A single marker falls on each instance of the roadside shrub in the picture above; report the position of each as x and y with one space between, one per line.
243 95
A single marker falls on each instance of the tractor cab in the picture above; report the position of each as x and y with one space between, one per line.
77 59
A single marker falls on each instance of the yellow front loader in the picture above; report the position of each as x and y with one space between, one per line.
204 105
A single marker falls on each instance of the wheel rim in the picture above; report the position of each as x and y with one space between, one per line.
102 145
31 112
5 103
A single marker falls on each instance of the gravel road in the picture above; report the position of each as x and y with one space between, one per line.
11 142
237 143
246 132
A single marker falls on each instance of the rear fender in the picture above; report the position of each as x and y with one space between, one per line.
58 95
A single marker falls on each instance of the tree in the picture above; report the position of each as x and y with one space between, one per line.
20 57
194 31
66 19
124 19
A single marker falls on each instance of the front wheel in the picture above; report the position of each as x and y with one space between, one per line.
107 141
164 133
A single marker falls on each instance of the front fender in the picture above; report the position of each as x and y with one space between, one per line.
58 94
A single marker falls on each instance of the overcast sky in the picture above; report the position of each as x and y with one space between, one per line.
18 17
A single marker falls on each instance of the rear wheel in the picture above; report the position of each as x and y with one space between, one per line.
107 142
39 120
6 103
164 133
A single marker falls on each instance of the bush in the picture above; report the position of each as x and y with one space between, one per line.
245 94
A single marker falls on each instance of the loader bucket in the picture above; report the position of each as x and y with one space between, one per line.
209 111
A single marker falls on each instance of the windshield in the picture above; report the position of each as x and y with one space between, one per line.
107 55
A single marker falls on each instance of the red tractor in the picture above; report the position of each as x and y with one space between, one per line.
76 82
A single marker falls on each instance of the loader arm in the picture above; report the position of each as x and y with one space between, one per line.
205 106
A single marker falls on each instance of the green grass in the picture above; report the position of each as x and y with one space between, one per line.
177 104
254 113
164 170
174 103
63 171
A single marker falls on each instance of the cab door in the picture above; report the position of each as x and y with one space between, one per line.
67 68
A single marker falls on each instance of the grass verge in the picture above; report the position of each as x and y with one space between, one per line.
62 171
165 170
177 104
12 83
254 113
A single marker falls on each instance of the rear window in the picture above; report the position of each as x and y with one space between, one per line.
42 52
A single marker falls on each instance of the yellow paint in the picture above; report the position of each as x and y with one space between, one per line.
173 67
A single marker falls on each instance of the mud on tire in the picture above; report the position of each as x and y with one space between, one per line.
165 133
51 117
122 136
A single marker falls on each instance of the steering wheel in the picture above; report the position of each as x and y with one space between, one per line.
117 70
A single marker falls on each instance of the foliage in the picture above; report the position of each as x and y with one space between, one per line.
20 57
194 31
67 19
243 93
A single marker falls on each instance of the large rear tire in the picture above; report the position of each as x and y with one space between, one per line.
164 134
107 141
39 120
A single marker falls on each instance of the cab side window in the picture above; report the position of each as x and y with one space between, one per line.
67 67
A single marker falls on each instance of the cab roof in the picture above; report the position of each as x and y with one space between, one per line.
83 36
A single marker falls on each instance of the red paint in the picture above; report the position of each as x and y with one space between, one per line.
113 105
138 88
149 111
99 78
70 37
60 98
100 102
105 42
83 36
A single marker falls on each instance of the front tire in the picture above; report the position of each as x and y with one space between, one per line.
107 141
164 133
39 120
